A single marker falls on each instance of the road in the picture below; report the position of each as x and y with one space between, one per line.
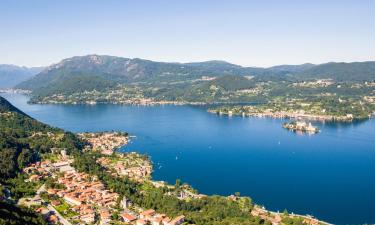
61 218
51 208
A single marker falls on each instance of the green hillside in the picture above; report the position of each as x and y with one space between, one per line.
356 71
81 78
23 138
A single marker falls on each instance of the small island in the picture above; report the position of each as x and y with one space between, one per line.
301 126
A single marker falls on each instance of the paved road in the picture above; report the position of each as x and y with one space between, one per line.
61 218
51 208
41 189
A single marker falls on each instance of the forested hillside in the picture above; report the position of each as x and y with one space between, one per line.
74 79
22 139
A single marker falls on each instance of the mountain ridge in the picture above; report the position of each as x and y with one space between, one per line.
11 75
104 73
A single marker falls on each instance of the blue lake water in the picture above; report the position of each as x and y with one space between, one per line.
330 175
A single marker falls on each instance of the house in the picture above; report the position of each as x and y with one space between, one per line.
53 219
34 178
72 200
166 221
127 218
51 191
141 222
55 203
148 214
44 211
105 215
178 220
88 218
156 221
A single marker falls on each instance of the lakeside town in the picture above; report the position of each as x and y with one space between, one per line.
303 110
74 197
313 100
67 196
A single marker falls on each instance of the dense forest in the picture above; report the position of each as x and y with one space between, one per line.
14 215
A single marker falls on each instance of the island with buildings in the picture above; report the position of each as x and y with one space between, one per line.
301 126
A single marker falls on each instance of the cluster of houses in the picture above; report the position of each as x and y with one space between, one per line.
314 84
89 198
38 170
105 142
133 167
135 173
276 219
151 217
46 168
369 99
82 193
84 196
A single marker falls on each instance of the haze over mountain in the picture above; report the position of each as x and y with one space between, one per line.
11 75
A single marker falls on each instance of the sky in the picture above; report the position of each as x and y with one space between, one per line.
245 32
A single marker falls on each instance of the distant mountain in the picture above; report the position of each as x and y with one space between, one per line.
125 70
355 71
291 68
100 72
11 75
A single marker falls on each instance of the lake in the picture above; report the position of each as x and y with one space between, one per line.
330 175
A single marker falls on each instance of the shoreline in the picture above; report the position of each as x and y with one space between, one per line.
349 118
286 115
137 103
267 214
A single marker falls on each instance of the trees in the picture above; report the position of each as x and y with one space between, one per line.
25 157
209 210
14 215
8 164
21 140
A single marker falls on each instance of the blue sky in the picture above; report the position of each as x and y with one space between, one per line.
249 33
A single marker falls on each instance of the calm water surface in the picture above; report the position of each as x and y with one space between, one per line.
330 175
